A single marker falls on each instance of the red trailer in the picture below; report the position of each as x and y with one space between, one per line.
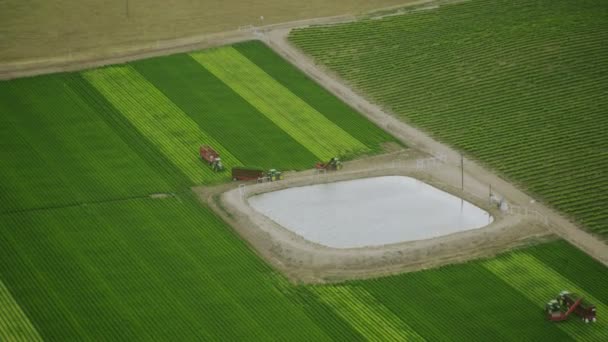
245 174
212 158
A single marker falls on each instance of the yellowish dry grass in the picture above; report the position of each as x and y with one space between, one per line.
41 28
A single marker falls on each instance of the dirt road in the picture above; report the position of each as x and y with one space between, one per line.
560 225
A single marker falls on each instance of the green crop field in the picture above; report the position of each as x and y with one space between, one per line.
87 254
519 85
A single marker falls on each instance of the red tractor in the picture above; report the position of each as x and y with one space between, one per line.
212 158
566 303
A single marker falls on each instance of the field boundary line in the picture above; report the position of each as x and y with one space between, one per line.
84 204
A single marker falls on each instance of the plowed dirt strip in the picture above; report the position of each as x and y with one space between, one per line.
14 324
540 283
157 118
296 117
366 315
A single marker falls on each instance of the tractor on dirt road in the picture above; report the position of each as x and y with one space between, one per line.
567 303
212 158
333 164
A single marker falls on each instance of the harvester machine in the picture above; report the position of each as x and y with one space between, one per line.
212 158
333 164
586 311
566 303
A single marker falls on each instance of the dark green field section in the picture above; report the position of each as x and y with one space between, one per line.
57 149
520 85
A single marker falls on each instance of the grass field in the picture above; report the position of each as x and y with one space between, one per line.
87 254
519 85
41 29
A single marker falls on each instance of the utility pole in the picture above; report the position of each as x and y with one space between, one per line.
490 194
461 172
127 8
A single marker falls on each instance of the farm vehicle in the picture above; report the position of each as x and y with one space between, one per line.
212 158
566 303
246 174
333 164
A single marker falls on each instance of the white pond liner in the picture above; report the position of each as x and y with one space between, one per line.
369 212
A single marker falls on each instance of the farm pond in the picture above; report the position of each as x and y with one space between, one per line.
369 212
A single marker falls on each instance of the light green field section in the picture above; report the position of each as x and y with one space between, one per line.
296 117
539 284
14 324
366 315
157 118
